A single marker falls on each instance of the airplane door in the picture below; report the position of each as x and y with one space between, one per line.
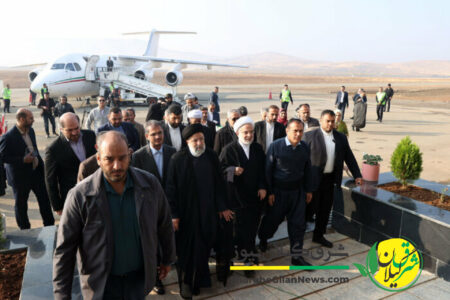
91 67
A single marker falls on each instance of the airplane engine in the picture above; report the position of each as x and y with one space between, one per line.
144 74
174 78
33 74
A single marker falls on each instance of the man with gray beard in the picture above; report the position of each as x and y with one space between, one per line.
243 162
196 193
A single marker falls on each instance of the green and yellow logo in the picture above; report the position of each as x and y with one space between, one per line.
393 265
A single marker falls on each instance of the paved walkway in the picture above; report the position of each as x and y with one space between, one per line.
239 287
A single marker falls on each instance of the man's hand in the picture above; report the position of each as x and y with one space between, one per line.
227 215
308 197
238 171
358 181
28 158
262 194
271 199
58 212
163 271
176 224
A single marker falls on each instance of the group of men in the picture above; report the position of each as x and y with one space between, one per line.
382 98
135 199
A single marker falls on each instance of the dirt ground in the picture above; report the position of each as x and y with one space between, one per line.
420 109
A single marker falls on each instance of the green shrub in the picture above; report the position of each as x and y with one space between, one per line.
371 159
2 238
406 161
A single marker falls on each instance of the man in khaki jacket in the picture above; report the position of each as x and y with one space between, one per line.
112 224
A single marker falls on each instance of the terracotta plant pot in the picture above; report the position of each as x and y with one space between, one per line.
370 172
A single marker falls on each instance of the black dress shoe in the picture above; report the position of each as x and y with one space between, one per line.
159 287
185 291
300 261
323 241
263 245
196 291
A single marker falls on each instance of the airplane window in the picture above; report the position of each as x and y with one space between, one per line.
70 67
58 66
77 66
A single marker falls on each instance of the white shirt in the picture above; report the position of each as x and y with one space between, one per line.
330 148
269 134
78 148
246 149
175 137
305 125
342 97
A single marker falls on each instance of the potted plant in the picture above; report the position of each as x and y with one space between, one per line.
371 167
406 162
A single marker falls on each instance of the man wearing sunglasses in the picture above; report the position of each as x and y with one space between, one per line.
98 116
226 134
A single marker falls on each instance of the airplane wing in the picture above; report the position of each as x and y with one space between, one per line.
29 66
178 61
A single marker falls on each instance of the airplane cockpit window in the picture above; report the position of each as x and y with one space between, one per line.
77 66
70 67
58 67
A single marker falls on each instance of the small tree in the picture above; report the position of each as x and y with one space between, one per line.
406 161
2 238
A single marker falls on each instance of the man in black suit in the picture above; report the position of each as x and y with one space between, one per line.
269 130
207 123
329 150
146 159
173 127
304 114
389 95
47 105
154 158
115 123
156 110
25 169
342 100
226 134
63 157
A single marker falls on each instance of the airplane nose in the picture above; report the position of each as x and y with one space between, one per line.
35 85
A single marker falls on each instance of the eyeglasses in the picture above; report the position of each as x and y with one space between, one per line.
235 119
101 100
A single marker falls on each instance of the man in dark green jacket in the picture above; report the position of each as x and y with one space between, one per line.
112 224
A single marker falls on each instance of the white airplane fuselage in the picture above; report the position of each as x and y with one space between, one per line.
66 76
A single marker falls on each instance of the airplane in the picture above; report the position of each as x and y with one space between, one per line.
66 75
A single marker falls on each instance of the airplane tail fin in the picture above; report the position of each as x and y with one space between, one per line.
153 41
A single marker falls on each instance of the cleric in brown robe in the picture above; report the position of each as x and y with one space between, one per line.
197 196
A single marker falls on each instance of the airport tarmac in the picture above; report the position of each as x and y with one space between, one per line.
426 122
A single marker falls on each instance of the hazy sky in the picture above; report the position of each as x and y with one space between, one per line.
352 30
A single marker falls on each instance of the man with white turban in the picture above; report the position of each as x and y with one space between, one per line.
242 162
195 117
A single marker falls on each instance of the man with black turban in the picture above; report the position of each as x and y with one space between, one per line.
197 196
